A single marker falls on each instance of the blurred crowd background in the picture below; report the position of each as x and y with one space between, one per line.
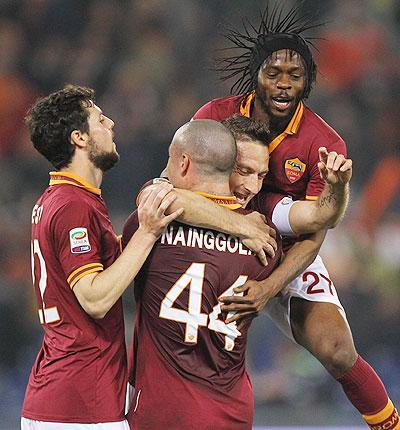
151 62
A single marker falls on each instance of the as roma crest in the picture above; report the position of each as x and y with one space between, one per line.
294 169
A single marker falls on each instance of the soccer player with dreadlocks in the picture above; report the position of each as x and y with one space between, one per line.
275 72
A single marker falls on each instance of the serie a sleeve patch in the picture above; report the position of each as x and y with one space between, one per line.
79 240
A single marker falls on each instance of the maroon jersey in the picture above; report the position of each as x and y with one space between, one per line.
293 165
188 366
80 372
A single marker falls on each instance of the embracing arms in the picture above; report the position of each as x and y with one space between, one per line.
202 212
258 293
97 292
304 217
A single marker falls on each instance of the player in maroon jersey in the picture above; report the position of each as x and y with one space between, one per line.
79 377
188 366
291 217
276 71
246 179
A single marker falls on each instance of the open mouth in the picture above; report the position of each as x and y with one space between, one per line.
281 103
241 198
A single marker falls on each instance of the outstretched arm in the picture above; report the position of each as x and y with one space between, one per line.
327 211
258 293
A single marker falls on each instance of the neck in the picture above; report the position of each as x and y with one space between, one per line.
276 125
212 187
258 112
85 169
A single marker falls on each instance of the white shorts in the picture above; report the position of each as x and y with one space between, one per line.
313 285
27 424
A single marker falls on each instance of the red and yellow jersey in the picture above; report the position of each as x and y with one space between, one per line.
188 366
80 372
293 168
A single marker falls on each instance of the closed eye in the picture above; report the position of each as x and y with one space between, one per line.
243 172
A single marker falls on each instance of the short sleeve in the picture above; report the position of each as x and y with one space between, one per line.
276 207
130 227
265 202
77 239
316 183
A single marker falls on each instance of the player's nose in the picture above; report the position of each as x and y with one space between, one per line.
111 123
252 184
284 82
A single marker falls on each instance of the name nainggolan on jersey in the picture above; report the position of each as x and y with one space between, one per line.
207 239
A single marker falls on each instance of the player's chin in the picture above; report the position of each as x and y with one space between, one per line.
281 114
113 152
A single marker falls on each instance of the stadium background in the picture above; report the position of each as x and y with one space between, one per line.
150 62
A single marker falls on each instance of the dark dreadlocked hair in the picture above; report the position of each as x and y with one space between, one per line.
277 30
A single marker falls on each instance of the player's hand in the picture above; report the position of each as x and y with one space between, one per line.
146 189
256 296
152 207
260 237
334 168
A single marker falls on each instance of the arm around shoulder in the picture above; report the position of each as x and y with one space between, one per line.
98 292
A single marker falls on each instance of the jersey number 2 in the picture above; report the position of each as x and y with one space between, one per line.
193 317
46 315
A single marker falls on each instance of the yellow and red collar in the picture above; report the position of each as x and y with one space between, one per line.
57 178
292 127
228 202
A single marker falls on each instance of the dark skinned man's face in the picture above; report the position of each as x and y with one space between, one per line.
280 84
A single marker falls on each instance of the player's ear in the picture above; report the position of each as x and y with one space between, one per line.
79 138
184 164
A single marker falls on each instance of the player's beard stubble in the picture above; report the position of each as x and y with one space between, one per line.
276 123
101 159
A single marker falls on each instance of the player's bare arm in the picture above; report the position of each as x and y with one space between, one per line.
97 292
305 217
202 212
328 210
258 293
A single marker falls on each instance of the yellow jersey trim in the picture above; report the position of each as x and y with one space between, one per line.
86 266
291 128
228 202
245 106
57 178
86 272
